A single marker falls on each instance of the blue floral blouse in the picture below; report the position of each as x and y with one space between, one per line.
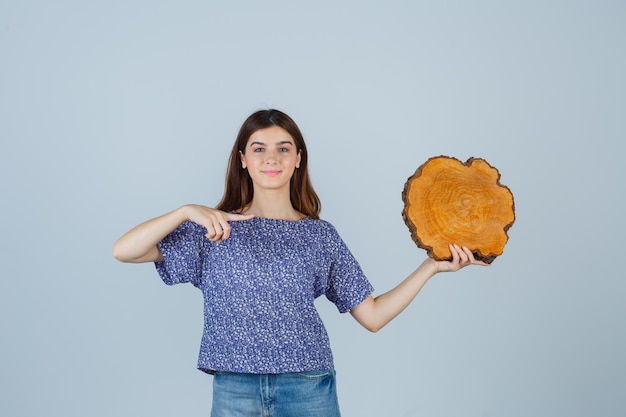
259 287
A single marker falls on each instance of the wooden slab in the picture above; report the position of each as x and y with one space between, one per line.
448 201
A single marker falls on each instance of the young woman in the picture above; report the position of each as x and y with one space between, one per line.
261 258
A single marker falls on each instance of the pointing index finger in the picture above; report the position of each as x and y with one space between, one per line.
237 217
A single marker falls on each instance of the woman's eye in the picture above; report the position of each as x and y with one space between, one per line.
283 149
258 150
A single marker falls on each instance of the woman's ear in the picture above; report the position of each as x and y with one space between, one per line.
298 158
242 158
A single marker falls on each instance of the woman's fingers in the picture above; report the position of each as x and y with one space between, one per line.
212 232
467 257
456 257
238 217
218 226
463 253
461 257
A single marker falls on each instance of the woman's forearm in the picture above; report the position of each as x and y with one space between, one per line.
140 243
375 312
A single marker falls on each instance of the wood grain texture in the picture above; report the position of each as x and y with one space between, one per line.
448 201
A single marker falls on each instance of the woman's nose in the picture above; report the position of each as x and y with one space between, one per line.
271 156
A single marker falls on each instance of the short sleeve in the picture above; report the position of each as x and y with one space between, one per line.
182 254
347 285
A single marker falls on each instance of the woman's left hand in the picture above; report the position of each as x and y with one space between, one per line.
461 257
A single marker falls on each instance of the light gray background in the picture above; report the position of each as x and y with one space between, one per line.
113 112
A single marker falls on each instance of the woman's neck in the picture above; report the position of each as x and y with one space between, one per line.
272 206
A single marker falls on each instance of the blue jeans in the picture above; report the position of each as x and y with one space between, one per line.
300 394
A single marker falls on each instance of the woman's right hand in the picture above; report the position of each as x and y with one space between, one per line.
140 243
213 220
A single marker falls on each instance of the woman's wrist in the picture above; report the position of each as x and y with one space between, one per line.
184 212
432 266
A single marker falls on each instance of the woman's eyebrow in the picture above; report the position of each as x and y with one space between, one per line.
283 142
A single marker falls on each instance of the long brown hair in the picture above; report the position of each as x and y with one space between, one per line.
239 189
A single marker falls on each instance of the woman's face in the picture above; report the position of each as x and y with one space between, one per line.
270 157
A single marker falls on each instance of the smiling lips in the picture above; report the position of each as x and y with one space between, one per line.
271 172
